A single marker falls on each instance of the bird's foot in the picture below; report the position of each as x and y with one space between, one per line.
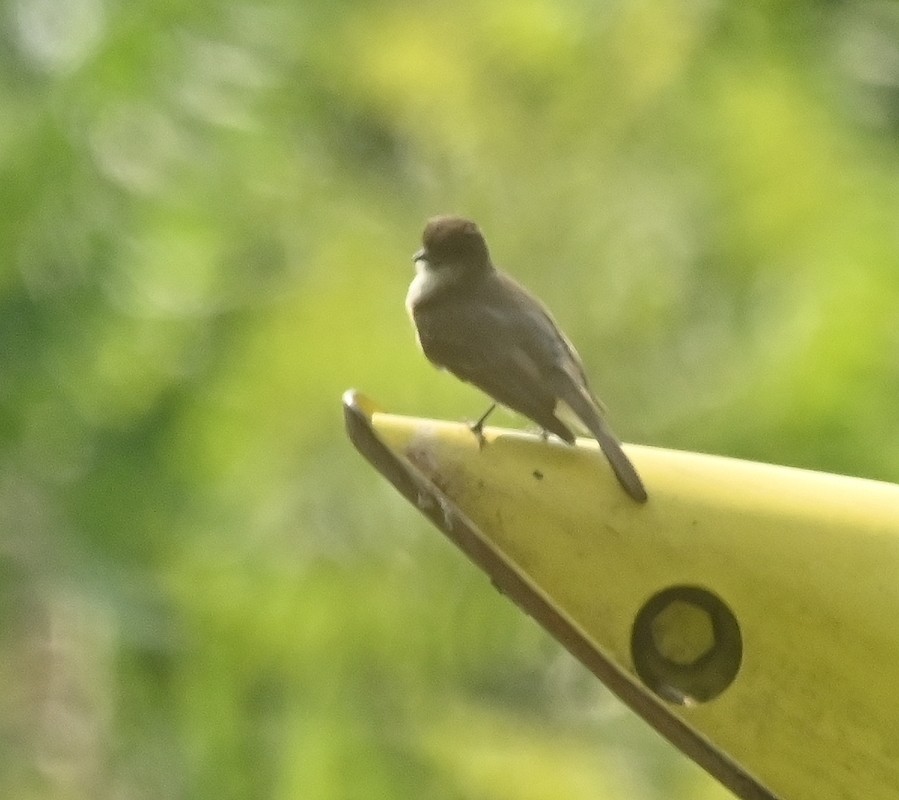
477 428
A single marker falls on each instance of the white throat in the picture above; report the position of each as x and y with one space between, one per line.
427 282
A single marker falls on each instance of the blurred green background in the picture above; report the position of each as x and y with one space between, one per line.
207 212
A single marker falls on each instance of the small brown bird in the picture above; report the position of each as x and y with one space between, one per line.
486 329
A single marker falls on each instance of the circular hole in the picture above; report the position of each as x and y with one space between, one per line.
686 645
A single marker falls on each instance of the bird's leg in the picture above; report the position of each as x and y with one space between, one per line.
477 428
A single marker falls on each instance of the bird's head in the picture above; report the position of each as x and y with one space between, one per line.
453 243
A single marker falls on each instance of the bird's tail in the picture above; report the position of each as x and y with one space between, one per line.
589 415
621 464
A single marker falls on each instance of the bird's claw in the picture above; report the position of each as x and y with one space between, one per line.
477 428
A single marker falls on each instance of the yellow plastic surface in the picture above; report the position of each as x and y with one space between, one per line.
807 562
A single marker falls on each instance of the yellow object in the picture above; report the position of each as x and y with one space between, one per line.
747 611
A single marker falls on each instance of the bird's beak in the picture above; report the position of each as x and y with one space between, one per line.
419 256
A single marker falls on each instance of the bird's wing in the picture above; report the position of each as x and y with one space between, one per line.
482 346
563 372
544 340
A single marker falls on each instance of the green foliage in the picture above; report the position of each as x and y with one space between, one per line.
208 213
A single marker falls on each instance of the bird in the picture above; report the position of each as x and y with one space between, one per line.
478 323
